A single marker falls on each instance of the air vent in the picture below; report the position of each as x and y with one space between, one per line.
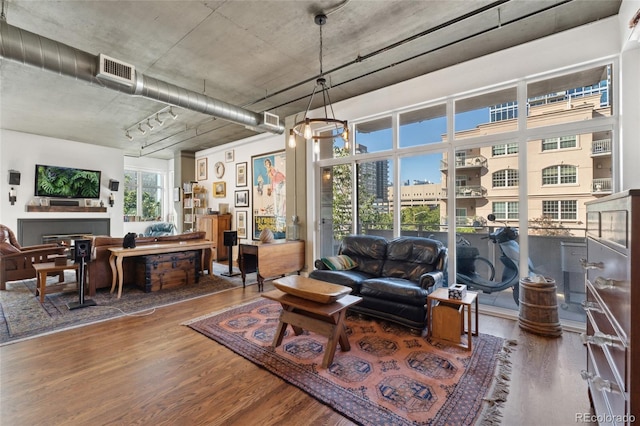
271 120
115 70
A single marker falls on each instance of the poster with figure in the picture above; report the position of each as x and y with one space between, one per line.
269 194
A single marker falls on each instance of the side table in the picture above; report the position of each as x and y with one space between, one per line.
442 295
44 269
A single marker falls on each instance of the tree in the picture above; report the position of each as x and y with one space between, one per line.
544 225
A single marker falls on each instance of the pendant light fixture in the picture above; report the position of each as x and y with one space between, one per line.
307 126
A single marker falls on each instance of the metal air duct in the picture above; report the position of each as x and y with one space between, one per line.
32 49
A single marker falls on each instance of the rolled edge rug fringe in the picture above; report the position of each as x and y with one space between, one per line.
491 414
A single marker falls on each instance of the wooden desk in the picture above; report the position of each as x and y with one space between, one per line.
44 269
270 260
119 253
326 319
442 295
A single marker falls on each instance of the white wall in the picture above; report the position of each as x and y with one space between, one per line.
22 151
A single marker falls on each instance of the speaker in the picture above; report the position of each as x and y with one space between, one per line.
230 238
14 177
82 250
113 185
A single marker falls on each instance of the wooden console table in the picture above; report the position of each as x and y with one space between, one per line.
268 260
119 253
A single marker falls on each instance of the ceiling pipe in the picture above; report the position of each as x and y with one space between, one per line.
32 49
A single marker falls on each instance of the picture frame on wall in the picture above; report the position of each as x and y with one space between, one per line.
241 224
241 174
219 189
176 194
242 198
268 195
201 169
228 156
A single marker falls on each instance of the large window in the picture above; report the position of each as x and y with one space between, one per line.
504 149
504 210
504 178
143 195
560 209
561 174
561 142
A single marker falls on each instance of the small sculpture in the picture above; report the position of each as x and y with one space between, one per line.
266 236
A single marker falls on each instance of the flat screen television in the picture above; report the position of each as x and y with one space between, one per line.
66 182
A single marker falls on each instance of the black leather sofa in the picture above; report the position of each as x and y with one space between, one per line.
392 277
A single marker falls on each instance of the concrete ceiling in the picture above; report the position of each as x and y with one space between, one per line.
259 55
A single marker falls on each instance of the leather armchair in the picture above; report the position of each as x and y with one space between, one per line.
16 261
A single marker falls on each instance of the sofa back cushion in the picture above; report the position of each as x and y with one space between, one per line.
368 251
410 257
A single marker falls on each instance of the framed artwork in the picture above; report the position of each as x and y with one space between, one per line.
219 189
228 156
201 169
242 198
241 224
241 174
269 194
176 194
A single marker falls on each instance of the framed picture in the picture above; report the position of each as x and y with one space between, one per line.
269 194
220 189
242 198
176 194
241 174
88 203
241 224
228 156
201 169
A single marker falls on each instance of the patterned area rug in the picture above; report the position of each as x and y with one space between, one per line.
23 316
389 376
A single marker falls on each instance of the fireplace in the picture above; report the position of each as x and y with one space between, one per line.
36 231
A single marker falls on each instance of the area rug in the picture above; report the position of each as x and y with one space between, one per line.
389 377
23 316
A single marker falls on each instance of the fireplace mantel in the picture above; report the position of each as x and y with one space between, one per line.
66 209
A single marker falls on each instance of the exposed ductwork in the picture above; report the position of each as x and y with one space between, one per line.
32 49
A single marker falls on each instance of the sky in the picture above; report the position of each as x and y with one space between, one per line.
422 167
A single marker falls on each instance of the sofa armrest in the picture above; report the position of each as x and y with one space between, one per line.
319 264
432 280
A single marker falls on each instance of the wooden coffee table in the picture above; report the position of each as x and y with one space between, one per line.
326 319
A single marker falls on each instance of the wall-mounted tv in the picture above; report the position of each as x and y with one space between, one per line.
66 182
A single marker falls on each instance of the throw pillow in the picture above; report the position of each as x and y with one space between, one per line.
339 263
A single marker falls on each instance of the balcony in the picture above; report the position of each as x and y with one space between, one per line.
601 147
470 191
466 163
602 186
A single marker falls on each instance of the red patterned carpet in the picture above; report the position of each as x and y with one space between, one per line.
389 376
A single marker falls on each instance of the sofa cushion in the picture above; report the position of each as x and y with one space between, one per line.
352 278
394 290
411 257
339 263
368 251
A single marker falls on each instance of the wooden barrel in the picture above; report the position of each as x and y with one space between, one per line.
539 307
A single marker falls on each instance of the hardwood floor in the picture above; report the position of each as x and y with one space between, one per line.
151 370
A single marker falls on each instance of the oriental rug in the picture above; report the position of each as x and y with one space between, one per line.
389 376
23 316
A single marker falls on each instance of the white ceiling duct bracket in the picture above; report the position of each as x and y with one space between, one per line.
115 70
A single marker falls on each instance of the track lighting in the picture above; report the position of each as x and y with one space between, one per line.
128 135
160 122
143 131
149 124
174 116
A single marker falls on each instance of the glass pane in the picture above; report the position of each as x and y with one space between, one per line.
130 193
583 95
331 148
420 195
374 210
424 126
336 214
374 136
476 116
